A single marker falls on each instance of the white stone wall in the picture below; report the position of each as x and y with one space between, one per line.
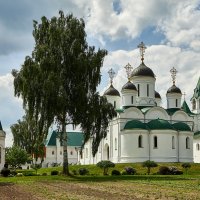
157 112
196 149
171 100
112 99
127 96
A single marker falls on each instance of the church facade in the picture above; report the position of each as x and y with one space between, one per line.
2 146
143 130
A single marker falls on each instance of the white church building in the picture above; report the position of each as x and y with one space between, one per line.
143 130
2 147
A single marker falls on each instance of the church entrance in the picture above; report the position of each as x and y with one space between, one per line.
106 152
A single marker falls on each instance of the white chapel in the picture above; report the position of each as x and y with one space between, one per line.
143 130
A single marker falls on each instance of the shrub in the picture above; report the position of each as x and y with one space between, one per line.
130 171
54 172
5 172
19 174
149 164
44 174
74 172
115 172
105 165
36 167
164 170
186 166
29 173
83 171
175 171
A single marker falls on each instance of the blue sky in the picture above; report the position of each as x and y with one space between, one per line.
170 29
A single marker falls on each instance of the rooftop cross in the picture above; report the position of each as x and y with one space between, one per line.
128 68
173 74
111 75
142 48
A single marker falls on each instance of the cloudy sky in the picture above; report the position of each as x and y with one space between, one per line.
170 29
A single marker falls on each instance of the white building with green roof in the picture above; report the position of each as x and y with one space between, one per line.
143 130
54 149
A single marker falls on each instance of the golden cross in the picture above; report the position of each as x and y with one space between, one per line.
128 68
173 74
111 75
142 48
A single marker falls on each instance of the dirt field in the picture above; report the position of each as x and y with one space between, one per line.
61 190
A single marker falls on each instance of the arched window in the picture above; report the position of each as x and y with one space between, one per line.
86 152
197 147
176 102
115 143
173 142
147 90
52 152
138 88
187 141
60 152
131 99
155 142
114 104
71 153
140 141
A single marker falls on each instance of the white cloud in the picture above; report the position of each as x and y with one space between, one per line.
160 58
11 107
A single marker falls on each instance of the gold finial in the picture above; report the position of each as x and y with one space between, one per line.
111 75
173 74
128 68
184 94
142 48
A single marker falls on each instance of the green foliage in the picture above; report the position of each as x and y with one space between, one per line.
186 166
83 171
54 172
171 170
64 71
105 165
36 167
16 156
149 164
115 172
5 171
129 171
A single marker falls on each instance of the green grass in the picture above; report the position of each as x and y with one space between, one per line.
93 170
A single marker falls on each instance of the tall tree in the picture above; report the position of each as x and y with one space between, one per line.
61 77
26 135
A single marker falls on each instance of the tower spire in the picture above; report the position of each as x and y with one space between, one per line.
128 68
111 75
173 75
142 48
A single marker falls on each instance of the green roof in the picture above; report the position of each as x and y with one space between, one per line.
73 138
119 110
197 133
171 111
197 90
186 108
159 124
135 124
180 126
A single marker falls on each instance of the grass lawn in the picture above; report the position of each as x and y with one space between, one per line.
96 186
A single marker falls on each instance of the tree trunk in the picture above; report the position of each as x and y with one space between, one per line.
65 154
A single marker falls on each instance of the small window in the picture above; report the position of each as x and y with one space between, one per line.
140 141
197 147
114 104
52 152
176 102
147 90
131 99
115 143
187 143
138 90
173 142
60 152
71 153
155 142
